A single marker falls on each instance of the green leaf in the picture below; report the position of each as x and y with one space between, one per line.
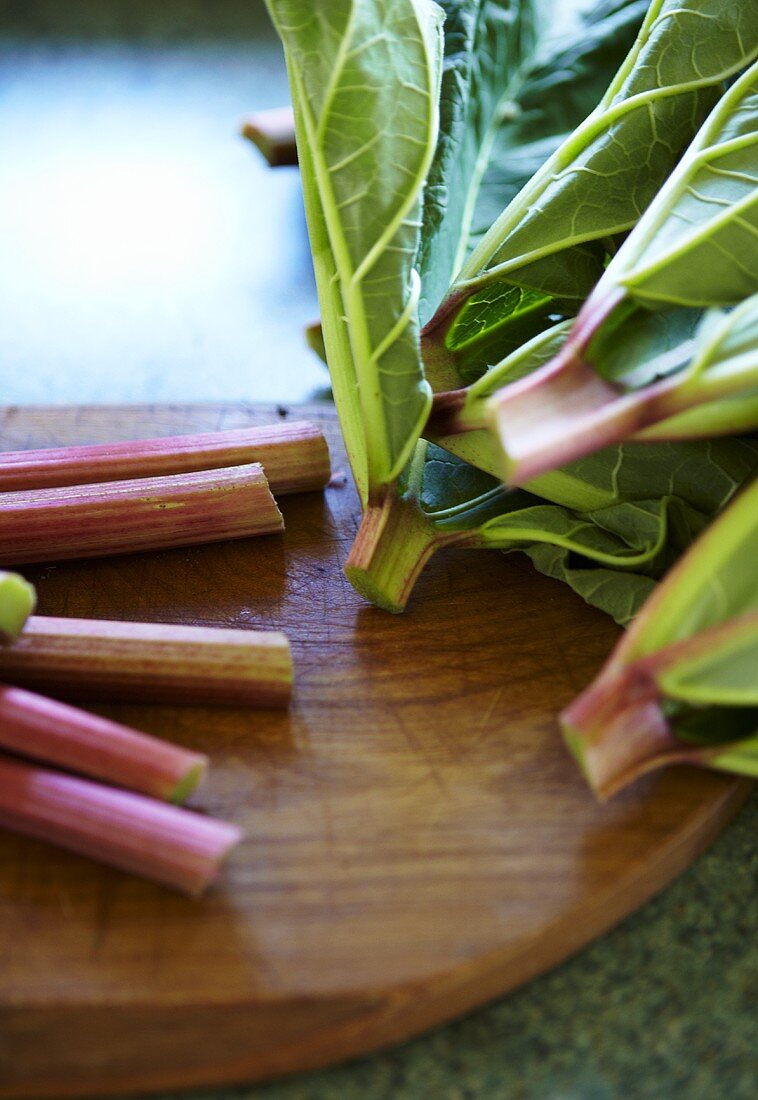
483 42
365 83
716 581
554 236
579 47
705 219
618 594
645 507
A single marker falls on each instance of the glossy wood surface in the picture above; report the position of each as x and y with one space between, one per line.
418 840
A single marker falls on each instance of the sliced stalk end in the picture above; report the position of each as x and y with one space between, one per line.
189 783
636 740
18 599
617 730
393 544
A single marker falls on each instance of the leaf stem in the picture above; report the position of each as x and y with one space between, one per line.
393 544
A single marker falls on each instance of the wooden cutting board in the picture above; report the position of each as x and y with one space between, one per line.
418 839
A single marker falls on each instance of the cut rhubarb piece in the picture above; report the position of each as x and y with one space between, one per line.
151 662
17 601
273 134
120 517
294 456
54 733
163 843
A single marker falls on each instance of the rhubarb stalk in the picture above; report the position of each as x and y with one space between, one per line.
293 454
17 600
681 684
156 841
273 133
152 662
54 733
619 730
392 546
119 517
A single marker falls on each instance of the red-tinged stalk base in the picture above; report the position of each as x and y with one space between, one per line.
393 544
555 416
440 368
618 732
447 415
156 841
634 741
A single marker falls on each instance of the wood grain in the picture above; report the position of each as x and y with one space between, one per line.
418 839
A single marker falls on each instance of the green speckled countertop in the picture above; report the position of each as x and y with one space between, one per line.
166 265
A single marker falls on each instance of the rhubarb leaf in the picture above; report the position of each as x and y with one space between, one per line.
552 239
516 78
483 42
365 81
696 371
578 49
698 379
694 247
705 219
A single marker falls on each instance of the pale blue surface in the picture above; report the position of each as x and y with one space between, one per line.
147 252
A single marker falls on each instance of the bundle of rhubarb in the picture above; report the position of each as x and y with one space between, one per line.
112 800
534 228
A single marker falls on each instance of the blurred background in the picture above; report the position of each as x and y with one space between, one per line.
147 253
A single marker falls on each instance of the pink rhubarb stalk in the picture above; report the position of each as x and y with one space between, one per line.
54 733
17 601
273 133
558 415
151 662
294 456
156 841
560 411
119 517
